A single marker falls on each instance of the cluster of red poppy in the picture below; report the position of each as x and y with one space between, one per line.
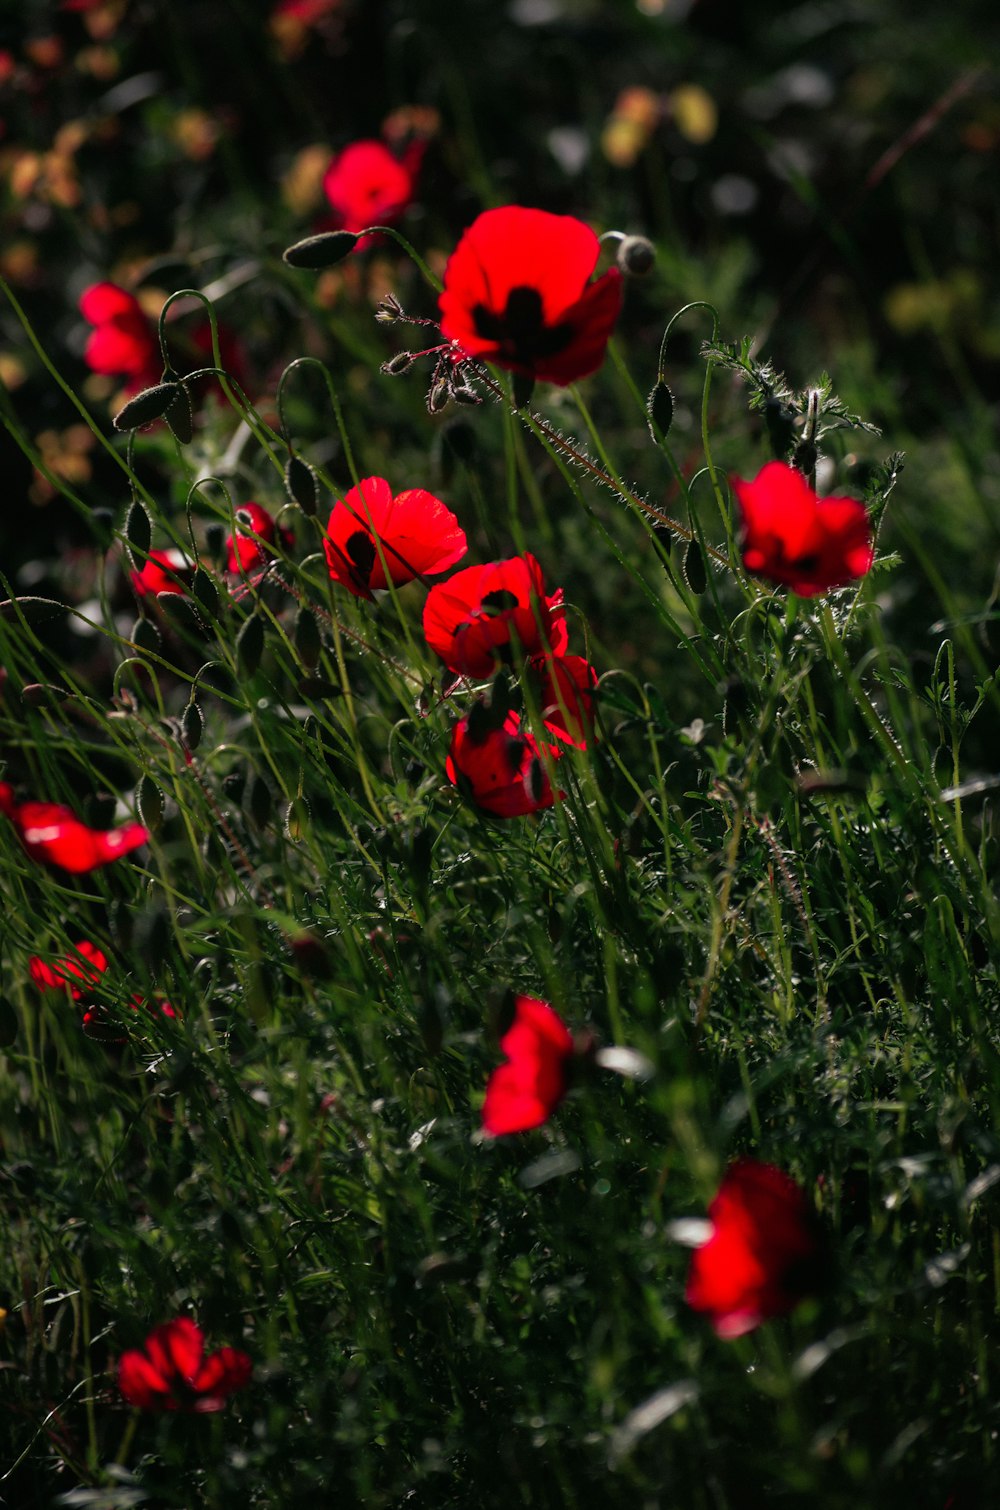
87 965
519 292
124 342
765 1251
173 1372
247 549
498 615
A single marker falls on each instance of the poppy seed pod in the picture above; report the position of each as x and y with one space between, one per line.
636 256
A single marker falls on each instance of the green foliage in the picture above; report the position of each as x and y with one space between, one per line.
772 874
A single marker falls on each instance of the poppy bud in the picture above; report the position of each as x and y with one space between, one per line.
36 694
150 404
258 801
660 408
296 819
463 394
388 310
180 416
301 484
138 530
250 644
145 636
204 589
149 801
215 540
438 396
400 363
102 524
308 640
192 725
636 256
322 251
694 567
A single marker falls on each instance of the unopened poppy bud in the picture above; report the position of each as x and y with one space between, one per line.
301 484
463 394
180 417
660 408
401 362
388 310
192 725
322 251
636 256
438 396
145 635
250 644
138 529
215 540
150 404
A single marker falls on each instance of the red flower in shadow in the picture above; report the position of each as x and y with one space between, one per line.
565 694
367 185
765 1254
173 1373
500 770
517 293
416 534
482 615
86 966
525 1091
50 832
164 571
88 971
243 552
795 538
123 342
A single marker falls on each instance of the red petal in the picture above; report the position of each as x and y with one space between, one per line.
366 185
417 534
175 1349
106 301
764 1253
221 1373
514 247
142 1384
524 1092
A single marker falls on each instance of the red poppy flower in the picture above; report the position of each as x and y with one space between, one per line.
501 769
243 551
482 614
791 536
366 185
565 694
416 534
525 1091
87 966
164 571
123 342
173 1373
98 1024
53 833
765 1253
516 292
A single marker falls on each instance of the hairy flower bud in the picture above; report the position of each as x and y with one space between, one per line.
636 256
400 363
